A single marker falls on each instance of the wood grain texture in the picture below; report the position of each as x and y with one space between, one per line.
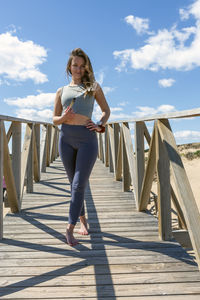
122 257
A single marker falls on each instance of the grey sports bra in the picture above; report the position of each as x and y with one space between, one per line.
83 104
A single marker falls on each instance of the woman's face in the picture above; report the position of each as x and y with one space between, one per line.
77 68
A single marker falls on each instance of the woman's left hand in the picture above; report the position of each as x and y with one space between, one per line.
92 126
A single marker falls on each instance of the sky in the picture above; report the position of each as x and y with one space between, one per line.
145 55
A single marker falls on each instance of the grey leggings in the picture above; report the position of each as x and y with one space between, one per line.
78 149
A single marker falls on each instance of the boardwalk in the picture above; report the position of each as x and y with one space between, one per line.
122 258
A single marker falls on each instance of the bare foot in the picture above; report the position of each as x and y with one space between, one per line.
84 229
71 241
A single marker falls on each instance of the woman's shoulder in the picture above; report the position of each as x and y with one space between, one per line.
60 90
96 86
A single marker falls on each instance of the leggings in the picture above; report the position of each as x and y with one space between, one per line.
78 148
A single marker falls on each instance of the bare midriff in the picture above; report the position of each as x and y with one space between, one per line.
78 120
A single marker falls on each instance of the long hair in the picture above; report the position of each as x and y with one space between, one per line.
88 78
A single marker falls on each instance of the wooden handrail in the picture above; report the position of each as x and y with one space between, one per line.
128 165
27 161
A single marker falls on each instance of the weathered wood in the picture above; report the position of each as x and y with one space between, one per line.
101 153
9 177
52 144
149 174
16 157
9 132
130 154
116 128
25 154
146 134
43 152
188 203
182 236
164 189
37 152
178 209
126 177
48 144
172 115
30 162
106 147
112 160
1 179
118 175
139 155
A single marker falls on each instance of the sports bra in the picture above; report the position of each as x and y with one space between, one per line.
83 105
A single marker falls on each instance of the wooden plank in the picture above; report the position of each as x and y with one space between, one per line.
37 152
118 174
9 178
109 290
139 158
112 159
52 143
25 154
149 174
104 279
1 178
9 132
172 115
43 152
126 177
178 209
146 134
121 258
188 203
16 157
30 162
130 154
164 189
106 147
48 145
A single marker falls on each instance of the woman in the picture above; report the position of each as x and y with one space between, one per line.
78 146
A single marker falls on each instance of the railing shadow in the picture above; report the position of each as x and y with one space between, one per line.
90 257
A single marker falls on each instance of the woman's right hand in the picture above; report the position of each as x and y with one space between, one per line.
68 114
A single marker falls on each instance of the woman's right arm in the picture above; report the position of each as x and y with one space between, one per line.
58 118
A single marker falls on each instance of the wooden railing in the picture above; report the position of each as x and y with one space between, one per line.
27 161
128 164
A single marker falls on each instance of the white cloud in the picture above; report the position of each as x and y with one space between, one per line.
140 25
187 134
19 60
39 101
167 48
123 103
107 89
45 115
166 82
192 9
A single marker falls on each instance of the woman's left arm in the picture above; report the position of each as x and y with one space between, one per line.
101 100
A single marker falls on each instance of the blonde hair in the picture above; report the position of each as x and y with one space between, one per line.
88 78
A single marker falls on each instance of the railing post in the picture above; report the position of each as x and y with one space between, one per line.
16 157
1 179
139 154
49 130
126 178
29 170
164 189
37 142
25 154
43 152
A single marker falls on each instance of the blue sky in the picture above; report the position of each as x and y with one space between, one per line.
145 54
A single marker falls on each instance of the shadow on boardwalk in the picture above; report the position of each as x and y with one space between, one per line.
91 251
